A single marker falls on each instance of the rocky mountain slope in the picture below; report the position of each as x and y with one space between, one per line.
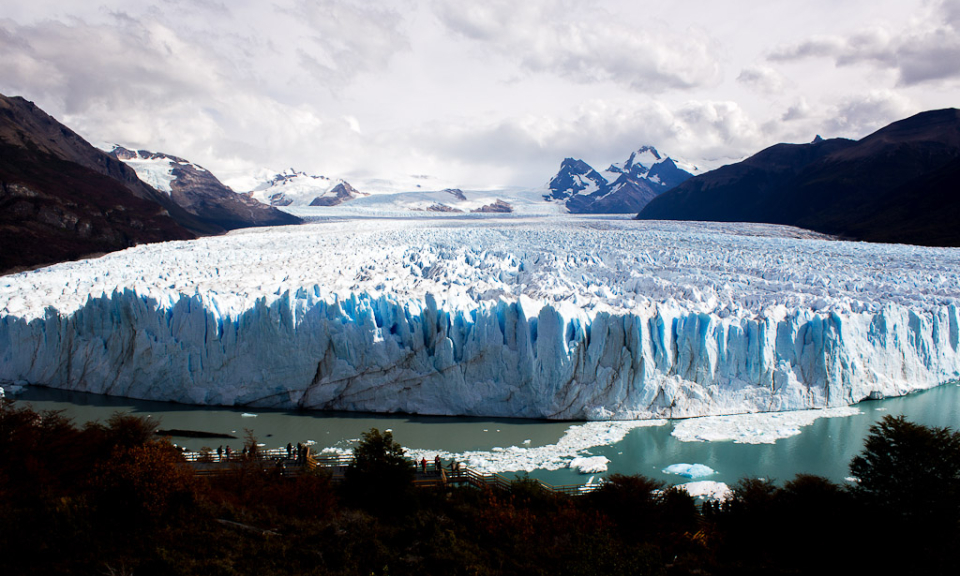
895 185
621 189
61 199
199 192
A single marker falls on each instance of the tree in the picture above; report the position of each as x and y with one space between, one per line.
909 483
910 470
380 478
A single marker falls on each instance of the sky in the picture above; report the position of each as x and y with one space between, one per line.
476 94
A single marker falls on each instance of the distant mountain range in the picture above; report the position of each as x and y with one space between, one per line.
62 199
899 184
293 188
622 188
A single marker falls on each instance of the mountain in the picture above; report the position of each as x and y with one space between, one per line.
622 188
62 199
895 185
293 188
199 192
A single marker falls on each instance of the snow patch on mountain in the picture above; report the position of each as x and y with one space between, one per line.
294 188
155 169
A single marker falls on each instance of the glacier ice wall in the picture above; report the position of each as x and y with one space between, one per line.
574 318
517 359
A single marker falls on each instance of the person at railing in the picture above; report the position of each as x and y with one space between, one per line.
437 464
219 453
423 464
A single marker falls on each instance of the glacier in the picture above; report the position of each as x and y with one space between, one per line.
566 317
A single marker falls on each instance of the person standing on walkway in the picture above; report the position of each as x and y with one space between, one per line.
423 464
219 453
437 463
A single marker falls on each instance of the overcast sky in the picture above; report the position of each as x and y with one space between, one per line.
479 93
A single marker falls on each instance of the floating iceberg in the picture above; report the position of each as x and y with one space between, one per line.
707 490
562 318
590 464
689 470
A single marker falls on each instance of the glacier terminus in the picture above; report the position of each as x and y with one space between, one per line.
561 317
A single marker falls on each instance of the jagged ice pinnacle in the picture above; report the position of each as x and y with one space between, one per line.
572 318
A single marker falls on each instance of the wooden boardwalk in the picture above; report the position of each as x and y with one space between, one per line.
276 460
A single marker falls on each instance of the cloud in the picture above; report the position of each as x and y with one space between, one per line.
586 45
762 79
348 38
799 111
527 149
858 116
925 49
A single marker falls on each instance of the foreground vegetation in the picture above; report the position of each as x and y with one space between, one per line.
111 499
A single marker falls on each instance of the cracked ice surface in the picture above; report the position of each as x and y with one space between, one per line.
563 317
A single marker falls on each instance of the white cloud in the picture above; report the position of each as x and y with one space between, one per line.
924 49
763 79
587 44
859 115
798 111
600 131
476 92
348 38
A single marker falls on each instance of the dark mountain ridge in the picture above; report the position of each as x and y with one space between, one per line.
891 186
62 199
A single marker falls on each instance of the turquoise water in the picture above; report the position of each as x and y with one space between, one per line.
824 448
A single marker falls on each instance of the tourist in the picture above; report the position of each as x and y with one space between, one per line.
219 453
437 463
423 464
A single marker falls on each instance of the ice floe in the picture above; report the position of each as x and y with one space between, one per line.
762 428
689 470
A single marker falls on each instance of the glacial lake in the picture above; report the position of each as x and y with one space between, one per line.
824 447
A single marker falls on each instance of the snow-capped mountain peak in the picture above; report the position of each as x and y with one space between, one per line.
575 177
622 188
295 188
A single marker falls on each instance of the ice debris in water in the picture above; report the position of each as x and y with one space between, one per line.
707 490
689 470
590 464
572 445
763 428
